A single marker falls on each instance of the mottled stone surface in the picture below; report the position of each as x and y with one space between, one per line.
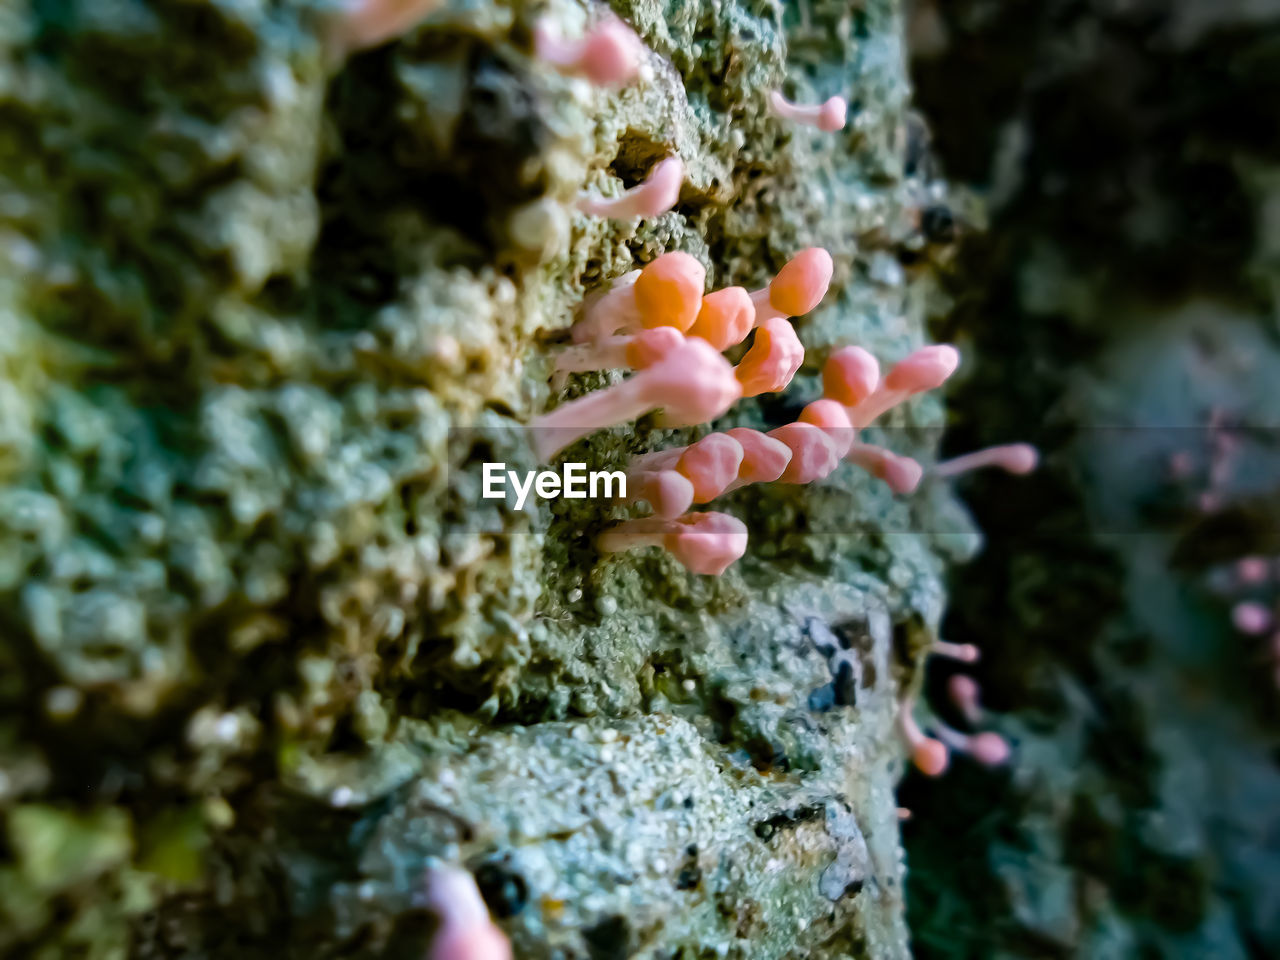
263 650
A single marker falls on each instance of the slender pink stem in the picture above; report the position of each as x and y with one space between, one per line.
654 197
605 313
1011 457
829 115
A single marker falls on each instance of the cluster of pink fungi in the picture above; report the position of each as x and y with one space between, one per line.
931 754
658 322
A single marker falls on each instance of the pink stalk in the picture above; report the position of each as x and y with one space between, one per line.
900 474
798 287
635 350
608 55
776 354
693 382
669 493
964 652
1251 618
705 543
988 749
925 369
1011 457
964 693
830 116
929 755
813 452
654 197
466 932
850 375
831 417
369 23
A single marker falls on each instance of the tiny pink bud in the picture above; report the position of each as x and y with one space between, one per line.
829 116
1251 618
654 197
850 375
608 55
775 355
813 452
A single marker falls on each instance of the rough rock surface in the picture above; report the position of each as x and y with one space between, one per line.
264 652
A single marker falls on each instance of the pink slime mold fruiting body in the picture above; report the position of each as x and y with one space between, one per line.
668 492
1251 618
1253 570
964 652
813 452
1018 458
369 23
831 417
665 293
634 350
711 464
964 693
850 375
705 543
764 458
925 369
725 318
608 55
900 474
654 197
799 286
829 116
693 382
775 356
988 749
928 755
465 932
